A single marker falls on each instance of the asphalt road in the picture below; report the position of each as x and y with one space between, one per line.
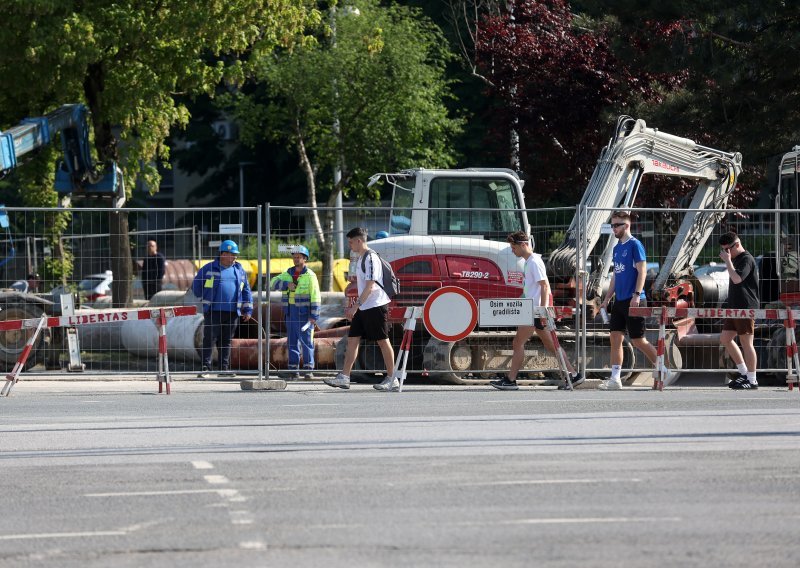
112 474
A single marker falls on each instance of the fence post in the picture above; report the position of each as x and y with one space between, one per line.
259 286
267 231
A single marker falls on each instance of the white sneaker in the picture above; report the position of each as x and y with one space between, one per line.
671 377
389 384
610 385
341 381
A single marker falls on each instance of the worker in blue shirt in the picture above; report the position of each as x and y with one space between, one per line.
225 293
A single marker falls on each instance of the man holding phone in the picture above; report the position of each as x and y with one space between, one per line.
742 294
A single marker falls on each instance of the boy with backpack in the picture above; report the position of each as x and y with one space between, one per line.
369 315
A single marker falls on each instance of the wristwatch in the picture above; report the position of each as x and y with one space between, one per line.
358 302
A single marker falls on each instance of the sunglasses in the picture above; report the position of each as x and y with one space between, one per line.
617 225
729 247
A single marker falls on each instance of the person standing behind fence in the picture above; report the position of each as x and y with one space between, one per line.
369 315
742 294
225 294
153 268
627 285
300 299
536 287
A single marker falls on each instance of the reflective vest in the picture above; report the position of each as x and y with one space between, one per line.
306 296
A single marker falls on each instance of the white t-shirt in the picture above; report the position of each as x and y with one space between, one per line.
373 271
535 272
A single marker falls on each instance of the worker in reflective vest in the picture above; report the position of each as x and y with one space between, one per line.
300 299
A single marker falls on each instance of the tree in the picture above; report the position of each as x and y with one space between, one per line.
737 60
555 80
373 101
129 60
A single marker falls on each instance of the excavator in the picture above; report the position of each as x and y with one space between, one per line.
77 175
443 223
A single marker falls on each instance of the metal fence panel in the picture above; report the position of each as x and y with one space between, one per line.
72 251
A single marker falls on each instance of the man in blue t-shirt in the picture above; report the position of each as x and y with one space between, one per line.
627 284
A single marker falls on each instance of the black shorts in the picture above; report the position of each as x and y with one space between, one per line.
621 321
370 324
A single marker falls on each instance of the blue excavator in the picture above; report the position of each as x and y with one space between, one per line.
78 176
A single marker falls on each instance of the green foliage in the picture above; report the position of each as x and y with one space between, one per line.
383 81
128 59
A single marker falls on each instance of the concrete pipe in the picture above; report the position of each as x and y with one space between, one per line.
244 353
174 298
102 337
184 338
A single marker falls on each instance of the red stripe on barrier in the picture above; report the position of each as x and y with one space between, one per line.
99 317
713 313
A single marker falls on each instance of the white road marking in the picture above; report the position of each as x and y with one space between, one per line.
546 482
543 521
253 545
241 518
202 465
560 400
60 535
216 479
301 405
157 493
578 520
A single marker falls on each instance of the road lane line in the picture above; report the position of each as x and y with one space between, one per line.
253 545
216 479
577 520
61 535
544 482
152 493
202 465
301 405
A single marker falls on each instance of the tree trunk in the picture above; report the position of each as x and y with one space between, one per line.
106 145
121 259
325 244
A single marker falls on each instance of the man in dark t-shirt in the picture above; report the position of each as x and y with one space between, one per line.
742 294
153 269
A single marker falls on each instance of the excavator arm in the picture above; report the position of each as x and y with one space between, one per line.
634 151
77 172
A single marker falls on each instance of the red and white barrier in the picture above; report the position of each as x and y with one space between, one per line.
158 315
399 371
550 313
787 316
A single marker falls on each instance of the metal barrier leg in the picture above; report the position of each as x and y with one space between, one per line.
13 377
792 365
410 325
660 370
164 377
561 356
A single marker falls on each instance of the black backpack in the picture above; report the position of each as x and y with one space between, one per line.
391 283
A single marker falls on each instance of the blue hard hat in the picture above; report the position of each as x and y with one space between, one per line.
302 250
229 246
381 235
